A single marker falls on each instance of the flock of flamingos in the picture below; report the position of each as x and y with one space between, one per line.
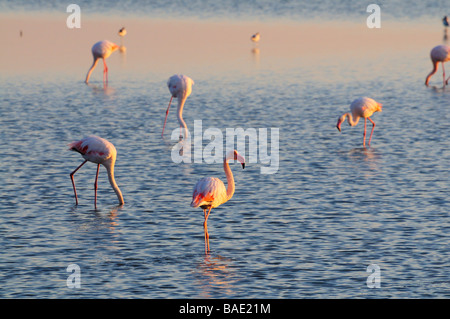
210 192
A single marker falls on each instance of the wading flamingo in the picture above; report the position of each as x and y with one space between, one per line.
99 151
362 107
101 50
255 38
180 86
210 192
440 53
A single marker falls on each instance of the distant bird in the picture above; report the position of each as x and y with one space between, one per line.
255 38
123 32
99 151
362 107
440 53
210 192
101 50
445 21
180 86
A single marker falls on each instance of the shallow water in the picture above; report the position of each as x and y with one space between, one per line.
308 231
242 10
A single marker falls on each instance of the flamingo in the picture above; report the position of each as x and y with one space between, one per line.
101 50
180 86
362 107
99 151
210 192
440 53
255 38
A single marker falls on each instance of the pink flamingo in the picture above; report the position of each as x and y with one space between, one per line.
440 53
101 50
210 192
362 107
180 86
99 151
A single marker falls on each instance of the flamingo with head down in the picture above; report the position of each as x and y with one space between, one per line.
99 151
362 107
101 50
440 53
180 86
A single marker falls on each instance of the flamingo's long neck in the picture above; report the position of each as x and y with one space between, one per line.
181 101
230 179
112 181
94 64
435 67
352 121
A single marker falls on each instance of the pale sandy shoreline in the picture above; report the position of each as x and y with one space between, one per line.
156 44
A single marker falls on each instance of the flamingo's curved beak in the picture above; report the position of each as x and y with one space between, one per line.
239 158
338 125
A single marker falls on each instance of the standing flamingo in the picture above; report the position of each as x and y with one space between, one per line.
440 53
256 37
97 150
101 50
210 192
362 107
180 86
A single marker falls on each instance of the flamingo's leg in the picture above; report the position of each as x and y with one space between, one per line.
206 232
364 136
105 71
167 112
205 226
73 181
96 186
373 127
443 72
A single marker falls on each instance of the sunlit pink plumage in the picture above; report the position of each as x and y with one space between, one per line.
210 192
99 151
440 53
101 50
362 107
